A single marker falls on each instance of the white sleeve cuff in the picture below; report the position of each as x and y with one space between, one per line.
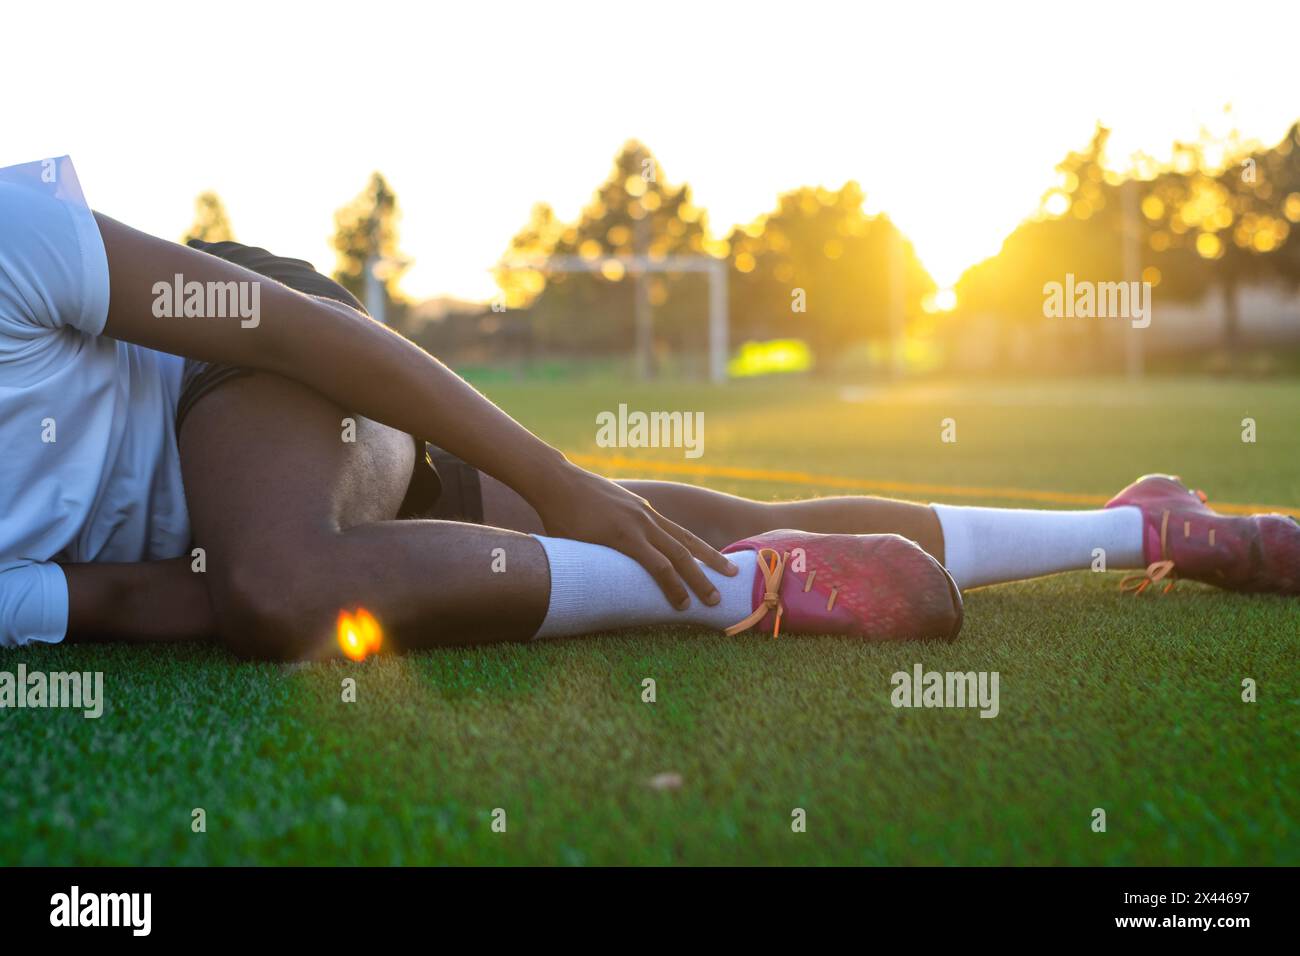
33 604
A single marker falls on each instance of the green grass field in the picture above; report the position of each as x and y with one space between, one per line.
1133 706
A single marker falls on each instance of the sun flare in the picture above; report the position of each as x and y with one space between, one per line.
359 634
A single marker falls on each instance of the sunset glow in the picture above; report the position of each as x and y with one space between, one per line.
952 117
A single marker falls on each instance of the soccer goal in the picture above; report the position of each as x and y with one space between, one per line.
640 266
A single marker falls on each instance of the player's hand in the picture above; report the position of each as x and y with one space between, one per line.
586 507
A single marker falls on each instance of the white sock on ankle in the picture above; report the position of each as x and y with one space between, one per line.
594 588
990 545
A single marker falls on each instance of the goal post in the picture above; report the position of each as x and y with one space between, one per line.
637 266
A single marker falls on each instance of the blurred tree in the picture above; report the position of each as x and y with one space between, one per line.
1221 212
634 212
817 268
1223 205
1281 170
211 221
366 232
1077 230
820 269
520 287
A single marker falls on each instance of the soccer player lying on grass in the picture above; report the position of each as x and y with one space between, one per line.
130 438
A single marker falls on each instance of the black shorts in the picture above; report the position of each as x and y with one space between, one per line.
442 486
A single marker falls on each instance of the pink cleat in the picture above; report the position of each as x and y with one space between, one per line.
1183 537
880 587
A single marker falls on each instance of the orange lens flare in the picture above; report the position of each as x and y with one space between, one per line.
359 634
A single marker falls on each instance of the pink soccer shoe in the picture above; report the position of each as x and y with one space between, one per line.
880 587
1183 537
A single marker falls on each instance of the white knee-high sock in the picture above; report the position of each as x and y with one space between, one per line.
594 588
990 545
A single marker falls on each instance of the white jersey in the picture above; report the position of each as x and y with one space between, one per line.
89 468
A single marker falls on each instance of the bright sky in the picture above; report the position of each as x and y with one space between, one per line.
951 115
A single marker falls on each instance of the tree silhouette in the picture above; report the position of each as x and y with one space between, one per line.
634 212
819 268
1078 230
1220 213
1229 213
211 221
520 287
366 232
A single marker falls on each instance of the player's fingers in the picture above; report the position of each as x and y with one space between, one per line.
699 548
664 574
685 566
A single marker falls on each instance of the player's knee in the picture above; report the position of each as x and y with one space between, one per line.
265 611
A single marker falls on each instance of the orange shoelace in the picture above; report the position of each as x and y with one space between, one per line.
1157 571
772 566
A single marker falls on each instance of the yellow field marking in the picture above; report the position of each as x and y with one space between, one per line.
908 488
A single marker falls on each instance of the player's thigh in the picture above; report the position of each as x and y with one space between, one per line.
268 471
